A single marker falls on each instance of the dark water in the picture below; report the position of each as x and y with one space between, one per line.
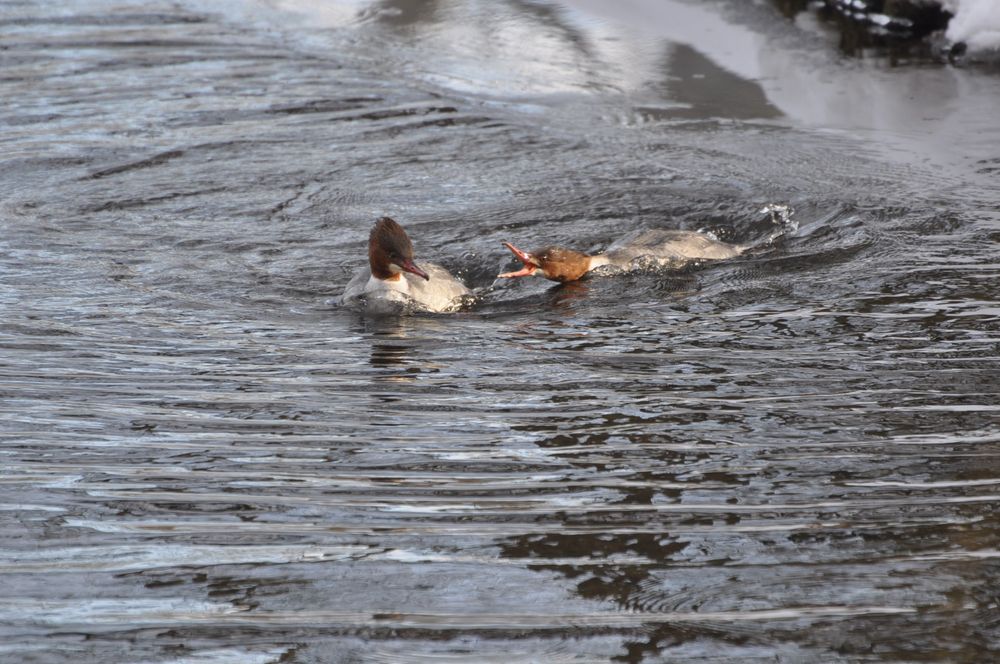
791 456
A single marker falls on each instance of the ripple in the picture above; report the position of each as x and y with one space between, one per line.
166 612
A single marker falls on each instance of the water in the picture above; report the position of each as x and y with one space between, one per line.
794 455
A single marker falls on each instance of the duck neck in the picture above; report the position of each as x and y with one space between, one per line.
394 282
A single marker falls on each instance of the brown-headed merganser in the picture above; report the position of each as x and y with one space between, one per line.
392 281
663 247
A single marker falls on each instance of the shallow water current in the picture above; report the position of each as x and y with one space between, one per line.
789 456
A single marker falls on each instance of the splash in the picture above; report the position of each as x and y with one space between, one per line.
781 217
397 304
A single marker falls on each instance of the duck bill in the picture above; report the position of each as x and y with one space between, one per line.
409 266
523 256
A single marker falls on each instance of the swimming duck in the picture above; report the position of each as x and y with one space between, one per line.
392 280
665 247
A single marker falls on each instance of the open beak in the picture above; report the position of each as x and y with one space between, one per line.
408 265
529 265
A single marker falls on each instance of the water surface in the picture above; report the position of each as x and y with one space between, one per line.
794 455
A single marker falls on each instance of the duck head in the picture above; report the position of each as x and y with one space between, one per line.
390 252
555 263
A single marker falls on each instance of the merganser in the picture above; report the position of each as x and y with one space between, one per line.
664 247
386 286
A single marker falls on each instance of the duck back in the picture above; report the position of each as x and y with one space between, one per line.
669 246
440 292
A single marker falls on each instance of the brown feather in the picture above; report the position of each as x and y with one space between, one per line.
388 243
561 264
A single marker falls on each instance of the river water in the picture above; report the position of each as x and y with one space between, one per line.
791 456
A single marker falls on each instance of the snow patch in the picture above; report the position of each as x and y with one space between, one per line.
975 23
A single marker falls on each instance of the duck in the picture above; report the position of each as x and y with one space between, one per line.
393 282
664 247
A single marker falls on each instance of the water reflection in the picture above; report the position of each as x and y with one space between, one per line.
905 39
566 296
706 90
407 13
394 359
385 356
390 348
